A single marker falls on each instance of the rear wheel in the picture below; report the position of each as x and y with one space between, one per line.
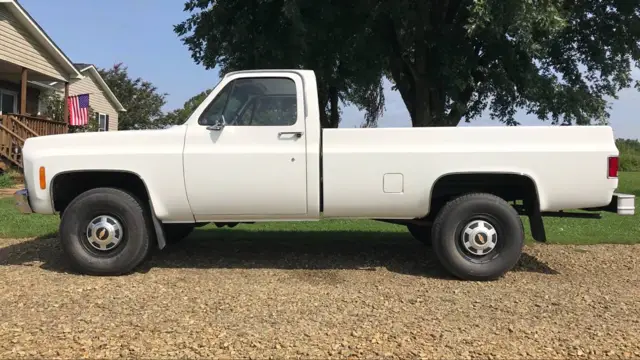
478 237
106 231
421 233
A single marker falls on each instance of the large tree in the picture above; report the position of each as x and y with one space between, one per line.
449 59
557 59
139 97
291 34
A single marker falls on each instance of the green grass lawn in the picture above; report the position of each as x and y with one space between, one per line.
610 229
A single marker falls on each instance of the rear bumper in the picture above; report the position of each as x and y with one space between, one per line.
22 201
625 204
621 204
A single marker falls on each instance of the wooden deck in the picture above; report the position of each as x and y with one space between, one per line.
16 129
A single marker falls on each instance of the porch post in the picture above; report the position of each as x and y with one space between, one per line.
23 91
65 112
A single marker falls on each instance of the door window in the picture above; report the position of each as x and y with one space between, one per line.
254 102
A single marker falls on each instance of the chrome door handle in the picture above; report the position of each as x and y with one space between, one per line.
297 134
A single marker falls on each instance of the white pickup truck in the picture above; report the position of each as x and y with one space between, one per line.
254 151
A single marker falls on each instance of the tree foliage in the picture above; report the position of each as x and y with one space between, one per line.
52 103
179 116
139 97
558 59
449 59
629 154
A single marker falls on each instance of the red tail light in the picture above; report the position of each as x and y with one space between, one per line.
613 167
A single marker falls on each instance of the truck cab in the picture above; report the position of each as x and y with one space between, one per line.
255 148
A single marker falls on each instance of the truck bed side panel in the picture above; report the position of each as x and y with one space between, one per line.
389 172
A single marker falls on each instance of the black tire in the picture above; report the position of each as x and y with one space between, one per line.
136 238
173 233
448 244
421 233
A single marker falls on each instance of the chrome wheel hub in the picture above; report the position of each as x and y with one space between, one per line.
479 237
104 232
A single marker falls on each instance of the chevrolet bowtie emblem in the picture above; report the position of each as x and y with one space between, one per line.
481 239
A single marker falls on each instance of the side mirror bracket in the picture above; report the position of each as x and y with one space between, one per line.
219 125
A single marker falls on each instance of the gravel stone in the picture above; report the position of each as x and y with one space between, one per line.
246 299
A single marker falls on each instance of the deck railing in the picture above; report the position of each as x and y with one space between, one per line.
16 129
42 126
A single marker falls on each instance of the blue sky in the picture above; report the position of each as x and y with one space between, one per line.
140 34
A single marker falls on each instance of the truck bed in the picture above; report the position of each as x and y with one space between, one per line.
389 173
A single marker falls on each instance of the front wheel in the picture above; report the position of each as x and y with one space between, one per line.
106 231
478 237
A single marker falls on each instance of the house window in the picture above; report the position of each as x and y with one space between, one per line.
103 122
8 101
41 108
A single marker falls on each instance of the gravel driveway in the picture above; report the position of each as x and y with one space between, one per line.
208 298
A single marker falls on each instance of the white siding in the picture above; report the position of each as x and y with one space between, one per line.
97 98
19 47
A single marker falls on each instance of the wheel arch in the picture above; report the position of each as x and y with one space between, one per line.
106 176
92 178
509 185
472 177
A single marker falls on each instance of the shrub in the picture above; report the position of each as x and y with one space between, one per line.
629 154
6 181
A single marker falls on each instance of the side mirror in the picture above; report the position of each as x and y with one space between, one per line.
219 125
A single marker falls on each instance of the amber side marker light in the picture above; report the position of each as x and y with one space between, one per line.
43 178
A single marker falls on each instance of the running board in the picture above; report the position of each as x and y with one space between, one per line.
560 214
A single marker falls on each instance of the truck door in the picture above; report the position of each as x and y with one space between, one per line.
246 156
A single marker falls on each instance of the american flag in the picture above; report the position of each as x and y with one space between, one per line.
78 110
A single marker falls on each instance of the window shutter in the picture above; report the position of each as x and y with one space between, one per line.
106 125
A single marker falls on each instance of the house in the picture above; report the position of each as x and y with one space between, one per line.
28 59
31 57
30 62
102 100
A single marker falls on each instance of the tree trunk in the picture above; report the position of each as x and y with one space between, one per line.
334 121
422 93
323 100
422 112
429 105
